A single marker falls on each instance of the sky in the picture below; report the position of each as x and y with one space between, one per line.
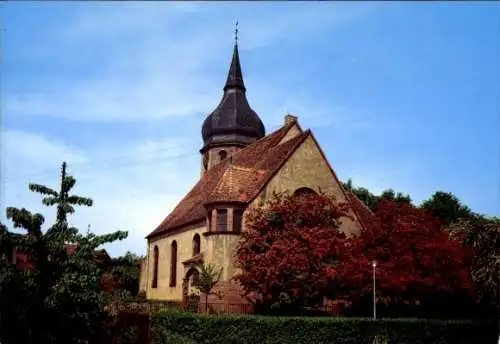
402 95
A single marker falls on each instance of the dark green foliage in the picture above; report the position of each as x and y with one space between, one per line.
372 200
209 277
127 328
446 207
482 234
369 199
192 329
126 271
57 296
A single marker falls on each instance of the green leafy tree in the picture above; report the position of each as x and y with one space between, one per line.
446 207
371 200
209 277
19 289
482 234
124 273
63 290
391 195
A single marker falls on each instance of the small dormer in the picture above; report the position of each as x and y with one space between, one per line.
225 218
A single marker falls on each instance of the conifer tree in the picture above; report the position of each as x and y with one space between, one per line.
63 292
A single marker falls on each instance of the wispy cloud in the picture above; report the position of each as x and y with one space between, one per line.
155 66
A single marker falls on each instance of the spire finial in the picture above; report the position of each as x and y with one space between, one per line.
236 33
235 77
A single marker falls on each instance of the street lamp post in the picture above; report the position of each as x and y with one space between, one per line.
374 265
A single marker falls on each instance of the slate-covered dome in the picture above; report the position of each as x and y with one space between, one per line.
233 121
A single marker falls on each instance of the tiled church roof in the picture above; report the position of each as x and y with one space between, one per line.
237 179
364 214
240 178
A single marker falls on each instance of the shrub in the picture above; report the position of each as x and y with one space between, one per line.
192 329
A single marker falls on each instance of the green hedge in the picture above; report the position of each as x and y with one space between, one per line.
196 329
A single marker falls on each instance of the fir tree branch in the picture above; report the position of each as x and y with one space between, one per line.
50 200
42 189
77 200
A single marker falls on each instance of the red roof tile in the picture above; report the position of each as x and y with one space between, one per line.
364 214
240 179
237 179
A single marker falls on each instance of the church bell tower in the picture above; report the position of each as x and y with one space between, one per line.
233 124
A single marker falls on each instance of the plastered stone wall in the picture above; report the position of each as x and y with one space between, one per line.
143 281
184 251
214 158
213 154
306 168
222 250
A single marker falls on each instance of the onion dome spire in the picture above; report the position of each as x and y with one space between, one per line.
233 122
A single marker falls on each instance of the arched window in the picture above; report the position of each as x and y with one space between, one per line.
304 192
196 244
222 155
195 278
173 264
154 284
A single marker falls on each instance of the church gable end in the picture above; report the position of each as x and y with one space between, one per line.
307 167
294 130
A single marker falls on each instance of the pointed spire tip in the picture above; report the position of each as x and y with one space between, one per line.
236 33
235 76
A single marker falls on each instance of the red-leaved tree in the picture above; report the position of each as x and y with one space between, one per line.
292 249
417 262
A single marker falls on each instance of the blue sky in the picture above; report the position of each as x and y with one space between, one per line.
401 95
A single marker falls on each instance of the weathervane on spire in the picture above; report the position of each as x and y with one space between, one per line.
236 34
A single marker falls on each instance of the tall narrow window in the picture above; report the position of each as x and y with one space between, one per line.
237 219
221 220
210 220
154 284
173 264
196 244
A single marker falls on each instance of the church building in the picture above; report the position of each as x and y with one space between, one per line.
241 168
